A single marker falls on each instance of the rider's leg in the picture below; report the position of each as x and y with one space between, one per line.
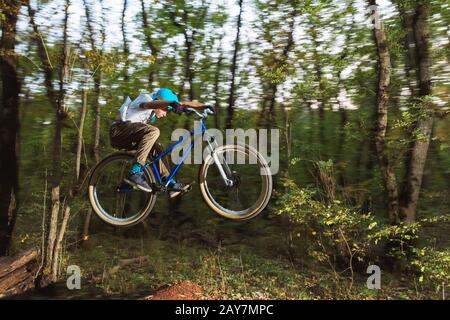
174 187
145 136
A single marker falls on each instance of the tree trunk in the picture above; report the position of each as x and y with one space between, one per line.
149 41
348 45
52 257
97 119
97 81
217 79
384 78
80 135
126 50
320 89
424 124
9 126
58 244
188 59
407 17
96 105
231 97
87 220
57 100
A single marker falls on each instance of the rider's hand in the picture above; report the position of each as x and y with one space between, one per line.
212 109
177 107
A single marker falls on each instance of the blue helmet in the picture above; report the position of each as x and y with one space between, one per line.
165 94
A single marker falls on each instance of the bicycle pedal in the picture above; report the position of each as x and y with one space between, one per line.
188 187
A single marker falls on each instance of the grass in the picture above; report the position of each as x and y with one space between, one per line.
234 272
248 260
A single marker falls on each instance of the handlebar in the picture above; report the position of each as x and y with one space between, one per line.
207 111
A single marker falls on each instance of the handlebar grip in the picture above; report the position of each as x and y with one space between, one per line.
188 111
211 109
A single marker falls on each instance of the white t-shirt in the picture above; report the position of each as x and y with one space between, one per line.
130 110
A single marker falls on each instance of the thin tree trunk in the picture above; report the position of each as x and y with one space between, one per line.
89 26
279 63
409 43
80 135
342 86
188 59
53 256
57 101
288 141
384 78
424 125
9 125
88 217
149 41
319 79
217 88
97 80
57 251
231 97
126 50
56 174
97 119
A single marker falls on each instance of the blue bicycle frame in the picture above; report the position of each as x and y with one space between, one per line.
174 171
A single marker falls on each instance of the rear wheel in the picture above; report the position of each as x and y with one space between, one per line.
114 201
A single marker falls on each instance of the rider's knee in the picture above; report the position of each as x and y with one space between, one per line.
156 132
152 132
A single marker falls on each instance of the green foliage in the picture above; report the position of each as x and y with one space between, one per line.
433 265
335 233
276 76
99 61
333 230
418 109
399 237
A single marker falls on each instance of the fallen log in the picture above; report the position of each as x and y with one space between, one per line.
126 262
17 274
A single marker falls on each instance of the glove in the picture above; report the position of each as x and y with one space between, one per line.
212 109
177 107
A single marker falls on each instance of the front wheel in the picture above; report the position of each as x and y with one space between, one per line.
248 188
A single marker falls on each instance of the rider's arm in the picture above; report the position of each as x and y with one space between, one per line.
156 104
192 104
163 104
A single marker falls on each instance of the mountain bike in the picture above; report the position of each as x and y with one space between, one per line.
235 180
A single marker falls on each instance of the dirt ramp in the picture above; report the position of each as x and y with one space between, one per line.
184 290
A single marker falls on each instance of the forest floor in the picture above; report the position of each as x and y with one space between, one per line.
194 254
174 270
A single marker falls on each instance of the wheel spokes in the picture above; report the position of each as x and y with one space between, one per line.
248 185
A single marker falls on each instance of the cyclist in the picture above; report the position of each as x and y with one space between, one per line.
132 129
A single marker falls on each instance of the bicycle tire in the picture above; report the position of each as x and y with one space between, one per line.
98 209
264 198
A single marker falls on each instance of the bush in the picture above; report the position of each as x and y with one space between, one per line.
335 234
340 237
433 265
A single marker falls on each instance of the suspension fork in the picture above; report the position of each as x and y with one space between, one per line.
223 167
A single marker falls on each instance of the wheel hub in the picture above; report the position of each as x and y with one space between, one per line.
236 180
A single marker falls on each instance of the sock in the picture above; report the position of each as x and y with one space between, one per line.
136 168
